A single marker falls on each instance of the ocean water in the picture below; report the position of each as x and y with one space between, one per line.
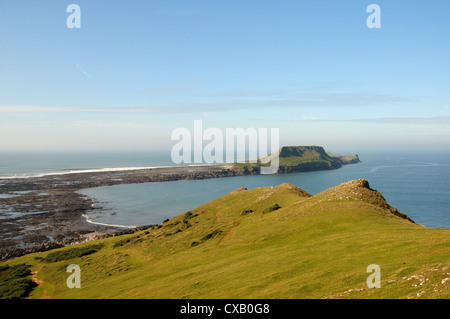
417 184
31 164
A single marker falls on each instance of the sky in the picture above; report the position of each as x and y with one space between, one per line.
136 70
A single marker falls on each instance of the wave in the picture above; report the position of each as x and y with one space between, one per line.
90 221
420 164
94 170
79 171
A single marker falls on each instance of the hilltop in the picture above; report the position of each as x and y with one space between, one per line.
303 159
272 242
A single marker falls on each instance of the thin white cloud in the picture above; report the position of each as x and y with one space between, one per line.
439 120
114 125
68 109
443 120
83 71
39 109
252 100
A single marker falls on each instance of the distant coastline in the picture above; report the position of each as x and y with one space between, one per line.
94 170
54 212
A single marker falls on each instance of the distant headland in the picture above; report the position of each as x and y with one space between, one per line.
293 159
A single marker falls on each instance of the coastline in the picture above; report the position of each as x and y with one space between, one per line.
47 212
103 224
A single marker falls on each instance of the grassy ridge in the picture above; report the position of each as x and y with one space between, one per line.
308 247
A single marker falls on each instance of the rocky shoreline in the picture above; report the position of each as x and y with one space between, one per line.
43 213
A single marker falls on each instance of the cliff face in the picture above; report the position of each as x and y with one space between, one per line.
300 159
311 158
346 159
308 167
350 159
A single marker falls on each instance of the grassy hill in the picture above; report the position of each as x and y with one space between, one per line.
303 159
276 242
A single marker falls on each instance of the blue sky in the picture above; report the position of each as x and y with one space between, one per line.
137 70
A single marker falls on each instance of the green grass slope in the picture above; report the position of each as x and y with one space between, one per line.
277 242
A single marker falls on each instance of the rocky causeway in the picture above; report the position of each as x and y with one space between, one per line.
42 213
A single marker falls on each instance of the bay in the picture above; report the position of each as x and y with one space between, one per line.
418 184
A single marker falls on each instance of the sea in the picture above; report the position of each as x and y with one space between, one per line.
417 184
